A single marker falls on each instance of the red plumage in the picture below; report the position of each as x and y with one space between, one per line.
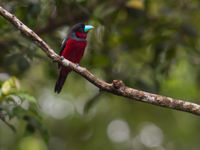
73 51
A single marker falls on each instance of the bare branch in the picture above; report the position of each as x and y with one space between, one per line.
117 87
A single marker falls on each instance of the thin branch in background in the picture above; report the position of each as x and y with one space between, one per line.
117 87
2 118
91 102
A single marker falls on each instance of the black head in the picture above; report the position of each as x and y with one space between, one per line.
79 27
79 31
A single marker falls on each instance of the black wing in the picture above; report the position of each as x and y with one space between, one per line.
63 46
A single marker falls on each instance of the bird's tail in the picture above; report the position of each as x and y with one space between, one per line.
60 82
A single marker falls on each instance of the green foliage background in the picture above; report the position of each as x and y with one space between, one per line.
152 45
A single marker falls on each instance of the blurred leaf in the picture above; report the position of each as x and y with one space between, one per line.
14 99
101 11
35 124
28 97
29 130
19 112
107 12
6 88
23 63
31 143
16 62
9 125
189 30
10 86
138 4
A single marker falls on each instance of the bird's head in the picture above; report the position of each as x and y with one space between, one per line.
81 30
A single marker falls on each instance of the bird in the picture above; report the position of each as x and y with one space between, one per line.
73 47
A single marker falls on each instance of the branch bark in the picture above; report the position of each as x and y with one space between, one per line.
117 87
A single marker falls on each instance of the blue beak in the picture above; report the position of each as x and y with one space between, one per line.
88 28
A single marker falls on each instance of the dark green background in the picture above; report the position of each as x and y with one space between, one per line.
152 45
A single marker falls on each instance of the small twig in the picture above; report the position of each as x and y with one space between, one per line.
91 102
117 87
2 117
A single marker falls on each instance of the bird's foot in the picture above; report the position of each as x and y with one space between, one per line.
62 57
77 65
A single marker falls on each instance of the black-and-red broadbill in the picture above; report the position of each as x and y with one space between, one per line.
72 49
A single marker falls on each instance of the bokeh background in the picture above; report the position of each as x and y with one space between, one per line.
152 45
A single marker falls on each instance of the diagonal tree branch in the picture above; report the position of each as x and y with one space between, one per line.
117 87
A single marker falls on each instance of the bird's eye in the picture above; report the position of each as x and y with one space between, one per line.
81 29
